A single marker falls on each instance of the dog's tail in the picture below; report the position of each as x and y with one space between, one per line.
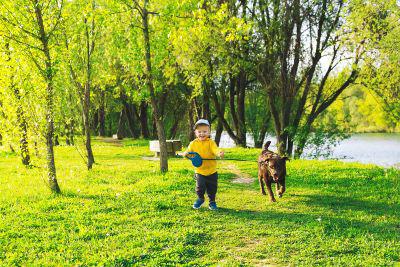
266 145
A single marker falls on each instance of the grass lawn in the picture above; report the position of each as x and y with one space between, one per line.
125 212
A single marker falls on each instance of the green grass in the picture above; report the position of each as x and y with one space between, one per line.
125 212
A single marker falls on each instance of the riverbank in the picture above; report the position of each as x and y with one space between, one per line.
124 212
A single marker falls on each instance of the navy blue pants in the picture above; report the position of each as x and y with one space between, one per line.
206 184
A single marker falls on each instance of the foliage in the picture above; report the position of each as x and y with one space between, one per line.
377 24
323 138
257 111
124 212
205 47
25 65
361 110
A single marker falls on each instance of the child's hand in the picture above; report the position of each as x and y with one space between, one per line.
221 154
182 154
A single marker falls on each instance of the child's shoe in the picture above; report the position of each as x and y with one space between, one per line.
212 206
197 204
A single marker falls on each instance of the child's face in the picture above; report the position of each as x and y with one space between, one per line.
202 132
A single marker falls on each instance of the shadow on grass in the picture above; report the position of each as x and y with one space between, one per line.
340 178
335 203
329 225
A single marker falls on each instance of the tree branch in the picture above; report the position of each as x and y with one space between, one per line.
51 31
19 27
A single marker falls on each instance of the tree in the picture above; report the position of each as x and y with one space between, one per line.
146 18
377 24
295 36
214 54
32 30
82 62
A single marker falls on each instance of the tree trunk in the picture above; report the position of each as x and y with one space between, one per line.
174 129
69 132
191 121
263 131
149 81
206 104
130 117
86 102
36 148
95 121
218 131
110 128
23 142
219 105
197 108
86 108
302 140
220 114
102 115
52 177
120 128
21 120
144 127
240 100
281 140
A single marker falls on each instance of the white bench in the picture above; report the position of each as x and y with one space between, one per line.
172 147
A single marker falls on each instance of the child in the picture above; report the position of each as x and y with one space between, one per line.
206 175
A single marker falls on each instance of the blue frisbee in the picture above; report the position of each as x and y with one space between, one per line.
196 159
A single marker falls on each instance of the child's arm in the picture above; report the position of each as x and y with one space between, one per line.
216 150
189 149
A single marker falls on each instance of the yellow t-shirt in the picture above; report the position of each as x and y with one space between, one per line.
207 149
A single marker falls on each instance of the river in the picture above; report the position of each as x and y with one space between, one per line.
382 149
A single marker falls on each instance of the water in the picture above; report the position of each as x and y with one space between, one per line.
375 148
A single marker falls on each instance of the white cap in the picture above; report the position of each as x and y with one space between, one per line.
201 122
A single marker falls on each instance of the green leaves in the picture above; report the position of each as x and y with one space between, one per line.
375 23
209 46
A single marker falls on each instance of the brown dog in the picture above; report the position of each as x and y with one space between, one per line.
271 169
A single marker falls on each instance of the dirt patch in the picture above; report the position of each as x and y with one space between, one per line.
111 141
151 158
240 177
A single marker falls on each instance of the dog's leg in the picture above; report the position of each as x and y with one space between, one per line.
282 189
270 193
277 189
260 180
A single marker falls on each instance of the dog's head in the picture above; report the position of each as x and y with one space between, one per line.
276 165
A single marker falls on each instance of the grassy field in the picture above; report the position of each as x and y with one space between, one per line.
125 212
